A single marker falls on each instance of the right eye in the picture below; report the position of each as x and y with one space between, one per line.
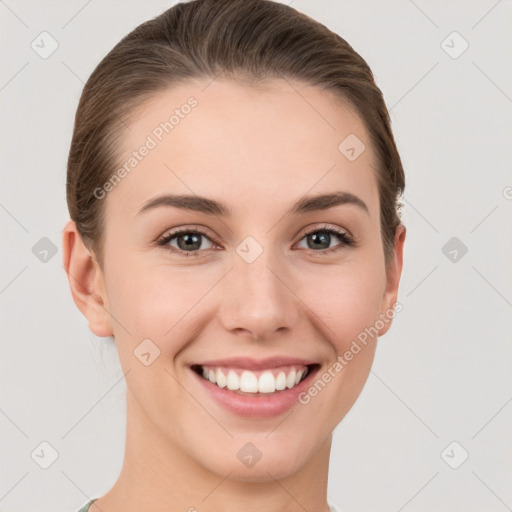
188 240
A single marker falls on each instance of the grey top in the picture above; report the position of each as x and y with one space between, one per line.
85 508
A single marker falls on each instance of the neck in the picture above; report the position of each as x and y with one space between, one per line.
158 475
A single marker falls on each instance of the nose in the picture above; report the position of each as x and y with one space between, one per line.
257 300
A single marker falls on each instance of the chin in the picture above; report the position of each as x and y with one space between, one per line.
258 461
261 472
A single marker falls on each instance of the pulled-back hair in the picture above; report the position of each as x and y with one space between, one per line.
246 40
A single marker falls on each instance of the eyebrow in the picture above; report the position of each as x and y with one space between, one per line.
212 207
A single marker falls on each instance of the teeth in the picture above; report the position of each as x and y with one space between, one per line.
221 379
281 381
290 379
251 382
266 382
248 382
233 381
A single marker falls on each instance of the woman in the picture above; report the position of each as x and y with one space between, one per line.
233 188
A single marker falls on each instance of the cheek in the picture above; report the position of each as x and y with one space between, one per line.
345 301
151 300
160 304
156 304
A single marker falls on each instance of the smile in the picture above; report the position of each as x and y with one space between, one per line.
254 389
254 382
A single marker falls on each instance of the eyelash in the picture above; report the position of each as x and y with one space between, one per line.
346 239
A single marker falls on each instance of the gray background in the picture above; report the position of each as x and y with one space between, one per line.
443 371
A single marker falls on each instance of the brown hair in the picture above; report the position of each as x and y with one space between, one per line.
248 40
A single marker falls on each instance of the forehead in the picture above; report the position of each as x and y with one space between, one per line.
245 145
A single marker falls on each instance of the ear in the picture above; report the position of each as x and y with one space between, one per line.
86 281
393 279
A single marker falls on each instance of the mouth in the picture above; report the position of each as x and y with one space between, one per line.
254 388
256 383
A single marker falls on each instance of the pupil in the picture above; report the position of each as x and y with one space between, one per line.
322 237
189 243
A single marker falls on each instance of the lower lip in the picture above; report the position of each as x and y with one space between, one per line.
258 406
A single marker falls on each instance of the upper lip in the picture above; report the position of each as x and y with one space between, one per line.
257 364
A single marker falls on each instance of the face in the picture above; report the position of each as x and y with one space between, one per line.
250 293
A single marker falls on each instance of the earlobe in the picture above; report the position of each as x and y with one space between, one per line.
393 275
85 281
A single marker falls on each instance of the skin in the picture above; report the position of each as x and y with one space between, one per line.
257 149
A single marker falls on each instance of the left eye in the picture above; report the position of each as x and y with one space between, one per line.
323 236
